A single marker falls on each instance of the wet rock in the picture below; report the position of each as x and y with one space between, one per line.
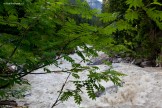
100 93
148 63
109 90
112 59
115 60
8 102
144 63
27 95
138 61
128 59
96 61
99 60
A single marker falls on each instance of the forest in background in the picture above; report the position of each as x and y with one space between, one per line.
35 34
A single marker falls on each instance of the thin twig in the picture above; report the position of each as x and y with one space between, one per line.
67 71
62 88
58 98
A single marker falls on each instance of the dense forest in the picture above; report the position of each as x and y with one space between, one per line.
37 33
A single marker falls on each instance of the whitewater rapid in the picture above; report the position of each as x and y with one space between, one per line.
140 88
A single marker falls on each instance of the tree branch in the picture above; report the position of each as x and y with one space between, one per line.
62 88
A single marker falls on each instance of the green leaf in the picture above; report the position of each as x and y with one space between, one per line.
66 95
108 17
123 25
75 75
131 15
77 97
134 3
90 91
155 15
109 29
68 58
47 70
81 55
156 3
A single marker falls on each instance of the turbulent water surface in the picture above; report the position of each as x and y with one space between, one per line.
142 88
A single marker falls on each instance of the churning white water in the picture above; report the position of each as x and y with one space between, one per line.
142 88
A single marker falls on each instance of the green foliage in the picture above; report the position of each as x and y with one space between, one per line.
114 6
16 91
137 26
131 15
38 33
156 3
155 15
134 3
92 84
108 17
